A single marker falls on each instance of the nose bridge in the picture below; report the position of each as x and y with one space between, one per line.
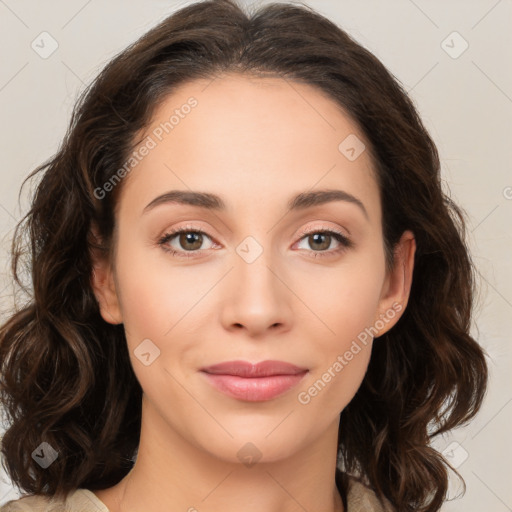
253 263
257 299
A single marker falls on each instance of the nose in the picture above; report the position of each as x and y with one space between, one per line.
256 296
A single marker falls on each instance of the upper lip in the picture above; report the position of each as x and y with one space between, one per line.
247 369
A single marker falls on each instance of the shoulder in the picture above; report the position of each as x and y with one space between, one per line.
80 500
360 498
33 503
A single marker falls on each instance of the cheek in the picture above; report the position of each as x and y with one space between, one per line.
341 356
345 302
344 299
165 304
155 294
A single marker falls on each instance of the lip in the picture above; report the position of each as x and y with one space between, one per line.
254 382
247 369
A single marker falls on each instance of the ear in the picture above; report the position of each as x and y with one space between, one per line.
102 281
397 285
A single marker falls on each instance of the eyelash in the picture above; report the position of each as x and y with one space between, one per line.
345 242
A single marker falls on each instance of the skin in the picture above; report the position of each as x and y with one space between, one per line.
256 142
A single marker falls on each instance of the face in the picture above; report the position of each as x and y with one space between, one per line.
260 272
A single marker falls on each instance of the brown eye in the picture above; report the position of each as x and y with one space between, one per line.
190 240
182 241
320 241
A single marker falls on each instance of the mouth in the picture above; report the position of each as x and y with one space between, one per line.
254 382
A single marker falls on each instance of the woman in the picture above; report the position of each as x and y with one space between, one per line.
188 347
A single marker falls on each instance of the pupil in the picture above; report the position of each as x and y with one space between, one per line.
317 240
190 238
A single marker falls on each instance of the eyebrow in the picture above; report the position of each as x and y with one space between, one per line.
210 201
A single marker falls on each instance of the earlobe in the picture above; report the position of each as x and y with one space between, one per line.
397 287
105 293
103 285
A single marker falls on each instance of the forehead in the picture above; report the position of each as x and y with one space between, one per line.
251 138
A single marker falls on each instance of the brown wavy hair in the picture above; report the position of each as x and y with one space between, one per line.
66 376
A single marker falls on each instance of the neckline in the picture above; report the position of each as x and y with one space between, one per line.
92 497
342 483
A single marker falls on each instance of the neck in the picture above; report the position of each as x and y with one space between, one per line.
171 473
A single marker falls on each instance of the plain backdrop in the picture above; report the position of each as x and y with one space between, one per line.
453 58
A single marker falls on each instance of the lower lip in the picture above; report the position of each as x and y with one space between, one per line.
255 389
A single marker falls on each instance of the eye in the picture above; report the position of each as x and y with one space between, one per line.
320 241
188 239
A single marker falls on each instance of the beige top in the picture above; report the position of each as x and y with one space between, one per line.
359 499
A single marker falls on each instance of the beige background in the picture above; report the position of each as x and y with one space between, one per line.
465 99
